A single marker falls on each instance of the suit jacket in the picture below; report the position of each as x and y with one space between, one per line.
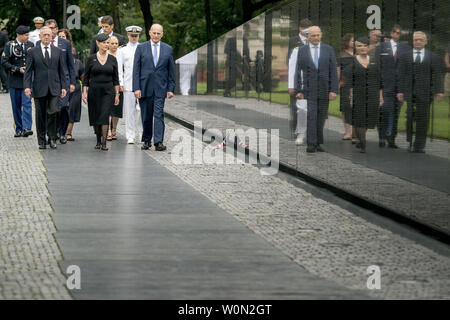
422 80
94 47
389 67
42 77
66 48
316 84
150 79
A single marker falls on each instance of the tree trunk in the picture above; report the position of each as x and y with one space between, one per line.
116 16
147 13
208 20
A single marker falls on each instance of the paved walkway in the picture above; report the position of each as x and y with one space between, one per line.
415 185
140 226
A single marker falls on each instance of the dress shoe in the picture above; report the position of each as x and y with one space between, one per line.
63 140
42 146
27 133
18 135
147 145
319 149
53 144
160 147
311 148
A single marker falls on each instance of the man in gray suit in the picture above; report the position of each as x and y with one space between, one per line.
316 62
45 72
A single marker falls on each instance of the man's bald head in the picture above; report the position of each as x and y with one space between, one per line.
315 35
156 32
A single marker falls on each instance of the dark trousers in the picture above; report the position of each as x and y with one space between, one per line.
21 107
46 108
419 112
389 114
293 118
152 115
4 78
62 119
317 115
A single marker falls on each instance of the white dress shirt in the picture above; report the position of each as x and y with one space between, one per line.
158 48
394 46
48 49
422 54
55 42
303 38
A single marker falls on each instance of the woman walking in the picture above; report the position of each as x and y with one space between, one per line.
102 80
117 111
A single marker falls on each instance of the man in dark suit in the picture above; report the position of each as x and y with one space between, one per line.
153 82
107 27
62 117
318 84
3 76
14 60
420 78
45 72
388 54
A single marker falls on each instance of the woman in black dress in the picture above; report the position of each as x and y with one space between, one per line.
363 78
102 79
345 59
75 97
117 111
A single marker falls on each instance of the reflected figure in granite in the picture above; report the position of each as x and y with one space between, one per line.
259 72
316 81
298 108
389 53
447 75
362 78
247 62
188 68
374 39
345 59
420 78
231 61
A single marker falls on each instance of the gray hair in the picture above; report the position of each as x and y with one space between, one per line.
422 33
45 28
157 25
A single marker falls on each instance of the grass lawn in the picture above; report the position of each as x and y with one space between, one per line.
441 109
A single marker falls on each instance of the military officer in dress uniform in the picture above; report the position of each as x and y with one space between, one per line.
125 60
34 35
14 60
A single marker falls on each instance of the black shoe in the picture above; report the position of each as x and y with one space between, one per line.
319 149
392 146
310 148
98 146
53 144
42 146
27 133
147 145
18 135
160 147
382 144
63 140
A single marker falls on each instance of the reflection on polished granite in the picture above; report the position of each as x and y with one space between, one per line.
415 185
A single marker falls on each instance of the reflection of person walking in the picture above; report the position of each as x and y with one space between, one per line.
153 82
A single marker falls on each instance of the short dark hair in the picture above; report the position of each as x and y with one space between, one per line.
305 23
396 27
346 40
50 21
108 20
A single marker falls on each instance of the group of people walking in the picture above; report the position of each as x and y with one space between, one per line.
373 79
116 75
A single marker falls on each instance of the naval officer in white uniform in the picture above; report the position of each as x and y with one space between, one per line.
34 35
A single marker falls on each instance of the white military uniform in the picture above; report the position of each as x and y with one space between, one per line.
301 104
188 65
125 60
34 35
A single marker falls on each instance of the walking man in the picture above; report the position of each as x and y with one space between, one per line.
153 82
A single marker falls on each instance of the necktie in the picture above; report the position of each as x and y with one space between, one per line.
417 60
316 57
155 54
47 55
53 42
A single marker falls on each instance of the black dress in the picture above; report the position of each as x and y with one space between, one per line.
344 60
101 80
366 84
75 97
